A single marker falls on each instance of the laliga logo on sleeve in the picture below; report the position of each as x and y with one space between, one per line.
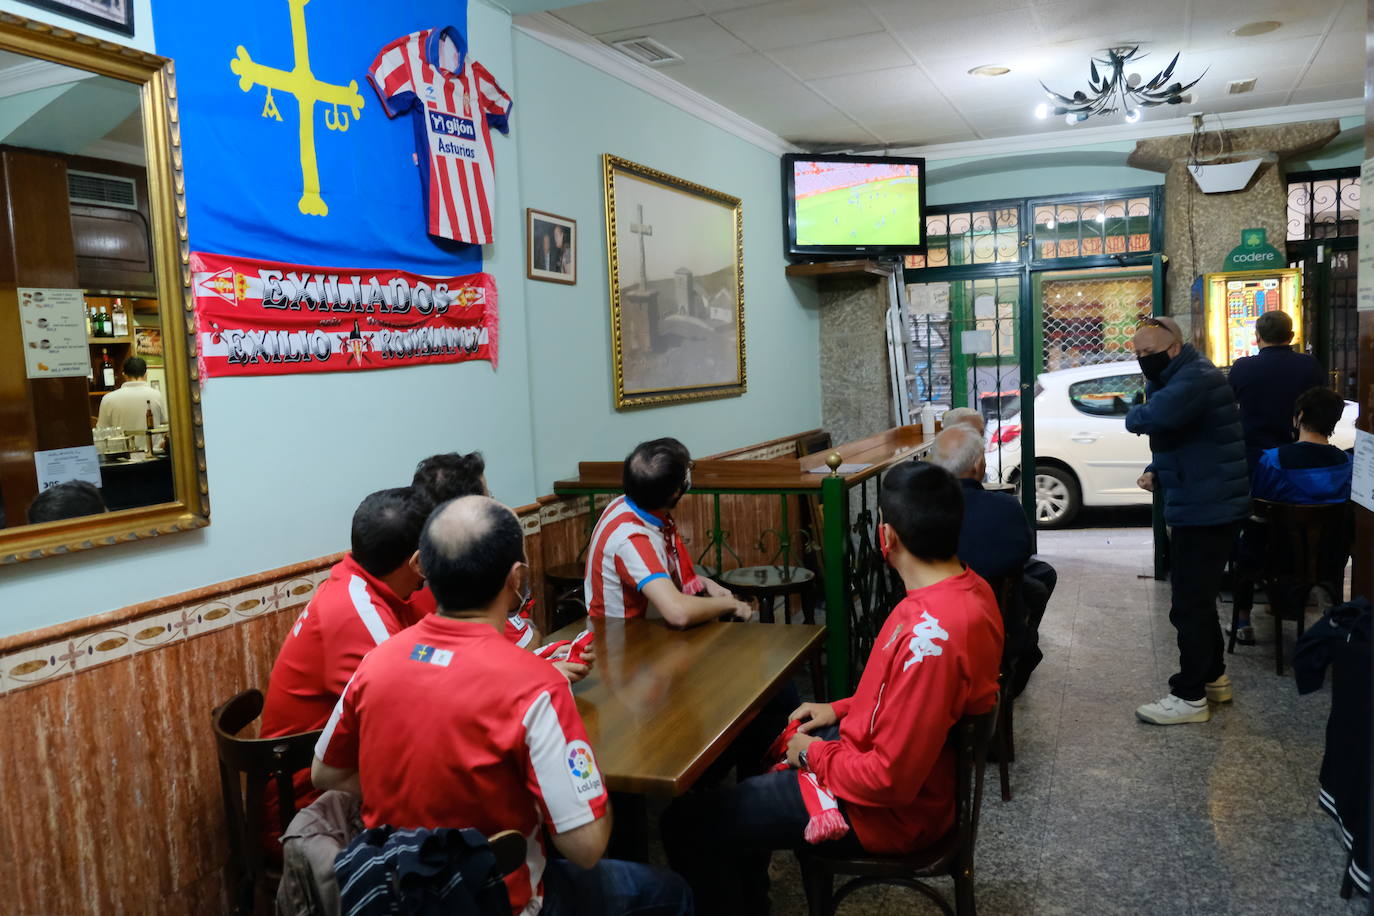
586 778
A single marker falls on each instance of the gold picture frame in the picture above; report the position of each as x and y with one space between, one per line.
677 332
190 508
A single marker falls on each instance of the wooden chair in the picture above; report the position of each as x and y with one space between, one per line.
1305 548
248 768
1007 589
952 855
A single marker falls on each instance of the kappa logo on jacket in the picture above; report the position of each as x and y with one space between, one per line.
923 636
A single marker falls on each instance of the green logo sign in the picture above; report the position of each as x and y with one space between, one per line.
1253 253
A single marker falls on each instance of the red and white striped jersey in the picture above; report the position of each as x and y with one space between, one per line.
455 103
450 725
630 548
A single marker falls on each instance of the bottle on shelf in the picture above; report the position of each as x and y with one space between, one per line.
91 323
90 375
120 319
107 373
148 426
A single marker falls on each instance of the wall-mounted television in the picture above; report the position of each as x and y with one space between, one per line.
853 206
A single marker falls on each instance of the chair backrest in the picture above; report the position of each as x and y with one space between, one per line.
813 442
509 847
1007 589
1306 545
247 767
970 738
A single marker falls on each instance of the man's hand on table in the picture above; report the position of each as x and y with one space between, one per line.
575 672
743 610
795 746
813 716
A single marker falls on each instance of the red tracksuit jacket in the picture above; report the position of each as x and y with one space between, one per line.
935 660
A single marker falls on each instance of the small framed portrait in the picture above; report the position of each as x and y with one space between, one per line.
115 15
551 247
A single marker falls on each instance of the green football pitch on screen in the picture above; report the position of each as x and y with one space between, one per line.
882 213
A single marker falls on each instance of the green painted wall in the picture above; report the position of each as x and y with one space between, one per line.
566 115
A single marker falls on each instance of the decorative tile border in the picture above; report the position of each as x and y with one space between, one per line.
71 654
768 452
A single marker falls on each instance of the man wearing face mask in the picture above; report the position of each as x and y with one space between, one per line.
1198 462
362 604
637 557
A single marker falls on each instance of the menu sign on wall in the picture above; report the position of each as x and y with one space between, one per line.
54 329
1366 281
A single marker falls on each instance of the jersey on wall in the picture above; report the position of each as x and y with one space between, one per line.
455 103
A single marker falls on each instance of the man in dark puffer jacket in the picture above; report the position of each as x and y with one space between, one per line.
1198 462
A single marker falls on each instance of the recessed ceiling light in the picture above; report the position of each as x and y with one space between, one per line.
989 70
1255 28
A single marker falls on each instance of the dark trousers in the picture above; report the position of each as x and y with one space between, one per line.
1037 585
613 888
721 840
1198 557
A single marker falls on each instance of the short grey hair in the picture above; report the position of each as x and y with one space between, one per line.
966 415
957 450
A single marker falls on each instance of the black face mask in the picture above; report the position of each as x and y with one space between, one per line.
1153 365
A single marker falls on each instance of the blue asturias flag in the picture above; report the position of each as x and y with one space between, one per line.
339 188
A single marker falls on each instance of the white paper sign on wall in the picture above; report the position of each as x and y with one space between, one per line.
1362 480
59 465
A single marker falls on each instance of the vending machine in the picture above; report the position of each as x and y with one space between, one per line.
1233 301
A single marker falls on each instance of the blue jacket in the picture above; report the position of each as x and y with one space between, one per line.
1195 435
1305 486
1266 385
995 538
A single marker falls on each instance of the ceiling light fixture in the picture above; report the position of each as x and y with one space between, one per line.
1251 29
1114 90
989 70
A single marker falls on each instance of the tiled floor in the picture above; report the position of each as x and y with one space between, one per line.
1114 816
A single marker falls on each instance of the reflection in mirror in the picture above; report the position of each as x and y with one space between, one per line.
85 424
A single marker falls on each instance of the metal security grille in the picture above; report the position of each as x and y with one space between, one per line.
1088 318
1323 206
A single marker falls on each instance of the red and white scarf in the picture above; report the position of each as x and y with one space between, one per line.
679 559
567 650
827 820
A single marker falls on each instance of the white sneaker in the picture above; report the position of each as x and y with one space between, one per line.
1219 691
1172 710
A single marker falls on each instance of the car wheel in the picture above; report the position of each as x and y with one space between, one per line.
1057 499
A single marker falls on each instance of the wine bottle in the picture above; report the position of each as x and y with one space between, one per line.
148 426
107 375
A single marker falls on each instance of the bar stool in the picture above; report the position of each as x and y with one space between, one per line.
768 583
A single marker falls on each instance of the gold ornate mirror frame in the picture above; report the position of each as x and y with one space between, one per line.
167 206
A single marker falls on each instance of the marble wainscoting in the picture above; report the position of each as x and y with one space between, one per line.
107 765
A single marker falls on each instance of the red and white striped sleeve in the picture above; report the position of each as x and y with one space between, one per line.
338 744
562 774
640 560
495 101
393 77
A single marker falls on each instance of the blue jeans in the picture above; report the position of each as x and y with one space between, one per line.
613 888
721 840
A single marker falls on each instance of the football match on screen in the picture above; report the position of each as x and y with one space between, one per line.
867 203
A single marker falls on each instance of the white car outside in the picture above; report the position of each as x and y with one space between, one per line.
1084 456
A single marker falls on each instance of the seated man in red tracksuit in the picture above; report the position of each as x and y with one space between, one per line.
883 783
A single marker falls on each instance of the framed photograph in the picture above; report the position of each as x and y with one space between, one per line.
676 260
115 15
550 247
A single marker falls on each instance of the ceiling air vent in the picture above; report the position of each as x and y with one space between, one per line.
1236 87
647 51
101 190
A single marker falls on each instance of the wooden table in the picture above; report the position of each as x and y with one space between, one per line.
661 704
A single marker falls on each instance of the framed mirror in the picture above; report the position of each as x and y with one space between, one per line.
100 439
